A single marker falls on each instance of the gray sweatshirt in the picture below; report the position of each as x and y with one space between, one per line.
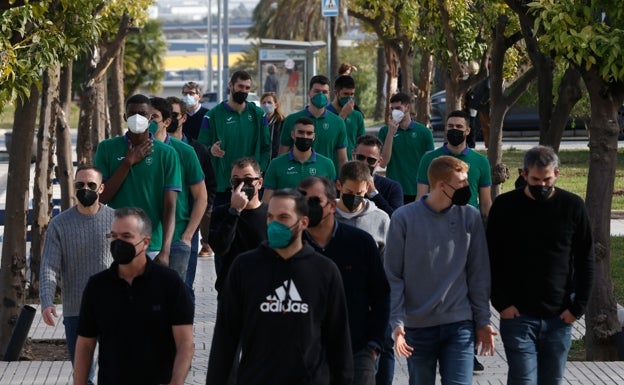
75 248
437 266
371 219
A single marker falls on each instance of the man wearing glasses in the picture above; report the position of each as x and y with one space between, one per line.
240 225
191 94
75 248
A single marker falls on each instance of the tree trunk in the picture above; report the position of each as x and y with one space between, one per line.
42 188
423 95
65 168
84 146
406 60
569 94
12 268
335 57
392 77
380 103
100 118
116 95
601 318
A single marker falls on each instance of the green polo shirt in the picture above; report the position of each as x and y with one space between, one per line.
479 173
286 172
191 175
241 135
354 123
146 182
408 147
330 133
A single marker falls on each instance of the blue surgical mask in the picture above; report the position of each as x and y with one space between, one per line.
280 236
319 100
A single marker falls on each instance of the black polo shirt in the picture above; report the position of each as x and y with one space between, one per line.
133 323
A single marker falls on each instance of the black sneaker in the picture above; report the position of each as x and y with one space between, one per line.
478 367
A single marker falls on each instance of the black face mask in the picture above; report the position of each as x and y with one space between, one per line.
86 196
173 126
455 137
461 196
303 144
249 190
315 211
351 201
239 97
123 252
540 193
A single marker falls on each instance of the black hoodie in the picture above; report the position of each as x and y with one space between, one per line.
291 318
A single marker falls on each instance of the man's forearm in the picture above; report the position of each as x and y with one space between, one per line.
83 358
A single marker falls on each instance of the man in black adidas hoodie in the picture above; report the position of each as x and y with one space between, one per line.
286 305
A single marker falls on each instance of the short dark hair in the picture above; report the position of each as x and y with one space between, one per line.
355 171
247 161
162 105
301 202
460 114
318 79
304 120
542 157
240 75
175 100
369 140
145 225
85 167
344 81
137 99
328 185
400 97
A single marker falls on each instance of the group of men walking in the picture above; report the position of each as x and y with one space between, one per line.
325 269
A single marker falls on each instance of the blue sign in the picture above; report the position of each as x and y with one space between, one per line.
329 7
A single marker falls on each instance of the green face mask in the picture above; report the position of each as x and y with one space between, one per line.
344 100
319 100
153 127
280 236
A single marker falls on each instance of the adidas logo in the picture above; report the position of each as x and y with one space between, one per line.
285 299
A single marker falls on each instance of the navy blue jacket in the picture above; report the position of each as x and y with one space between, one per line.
390 195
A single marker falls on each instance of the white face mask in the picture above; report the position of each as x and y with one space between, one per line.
268 108
189 100
397 115
137 124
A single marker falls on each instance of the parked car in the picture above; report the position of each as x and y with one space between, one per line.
518 118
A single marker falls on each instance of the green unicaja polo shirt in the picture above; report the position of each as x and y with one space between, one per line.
408 147
479 173
286 172
191 175
330 133
146 182
354 123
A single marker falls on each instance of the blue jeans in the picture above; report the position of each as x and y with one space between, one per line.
192 264
179 257
536 349
385 372
71 335
451 344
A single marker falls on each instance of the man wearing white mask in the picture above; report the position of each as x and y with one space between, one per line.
405 141
142 172
191 94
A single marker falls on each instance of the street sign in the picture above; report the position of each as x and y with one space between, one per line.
329 7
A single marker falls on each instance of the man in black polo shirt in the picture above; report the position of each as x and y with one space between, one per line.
140 313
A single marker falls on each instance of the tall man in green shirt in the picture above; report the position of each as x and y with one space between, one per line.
329 128
287 170
404 142
479 174
232 130
343 105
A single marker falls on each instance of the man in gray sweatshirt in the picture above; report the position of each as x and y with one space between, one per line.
75 248
438 269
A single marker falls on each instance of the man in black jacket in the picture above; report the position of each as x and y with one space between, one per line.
285 304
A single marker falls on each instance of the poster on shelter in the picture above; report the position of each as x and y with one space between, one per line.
282 71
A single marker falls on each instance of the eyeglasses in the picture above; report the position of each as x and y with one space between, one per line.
80 185
192 93
175 115
247 180
369 159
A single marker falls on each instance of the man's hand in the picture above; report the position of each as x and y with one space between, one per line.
485 339
509 313
567 317
162 258
392 127
239 200
347 108
137 153
216 150
400 345
47 315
